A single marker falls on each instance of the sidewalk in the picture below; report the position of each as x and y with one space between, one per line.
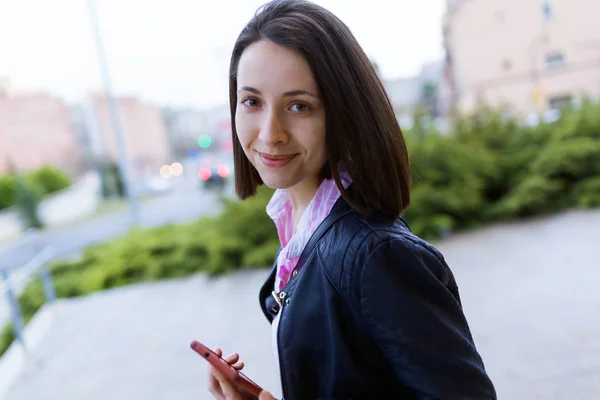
530 292
133 343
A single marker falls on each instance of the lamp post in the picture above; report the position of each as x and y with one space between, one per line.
115 120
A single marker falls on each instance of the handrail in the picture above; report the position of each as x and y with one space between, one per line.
12 278
22 273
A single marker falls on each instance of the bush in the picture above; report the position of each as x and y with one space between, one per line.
6 338
41 182
492 168
587 192
7 191
49 180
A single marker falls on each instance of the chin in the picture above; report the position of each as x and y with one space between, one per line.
278 183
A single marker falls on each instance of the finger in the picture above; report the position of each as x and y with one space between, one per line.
264 395
219 352
233 358
227 387
238 365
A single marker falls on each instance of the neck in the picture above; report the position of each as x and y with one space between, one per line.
301 195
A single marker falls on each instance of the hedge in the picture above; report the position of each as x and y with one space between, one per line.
489 169
43 181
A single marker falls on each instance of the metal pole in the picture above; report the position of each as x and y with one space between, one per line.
47 283
15 308
124 165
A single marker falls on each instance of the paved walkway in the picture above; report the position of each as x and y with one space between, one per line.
530 292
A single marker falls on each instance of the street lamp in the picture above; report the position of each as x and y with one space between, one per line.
115 120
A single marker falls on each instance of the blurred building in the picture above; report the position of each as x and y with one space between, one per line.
35 130
422 90
185 126
143 127
219 126
528 55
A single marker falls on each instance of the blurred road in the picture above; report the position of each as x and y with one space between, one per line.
182 205
529 291
185 203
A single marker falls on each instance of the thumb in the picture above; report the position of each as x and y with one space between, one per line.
264 395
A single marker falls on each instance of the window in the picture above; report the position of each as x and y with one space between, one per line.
547 11
555 59
560 102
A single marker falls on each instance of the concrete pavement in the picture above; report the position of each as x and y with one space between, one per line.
529 292
133 343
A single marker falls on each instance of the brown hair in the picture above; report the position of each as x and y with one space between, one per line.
361 129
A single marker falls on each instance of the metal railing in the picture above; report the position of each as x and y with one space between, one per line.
15 278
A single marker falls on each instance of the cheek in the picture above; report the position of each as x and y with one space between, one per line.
244 131
318 142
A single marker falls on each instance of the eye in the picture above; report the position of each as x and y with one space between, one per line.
299 107
250 102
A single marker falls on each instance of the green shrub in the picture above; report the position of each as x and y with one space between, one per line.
587 192
535 195
260 256
7 191
49 180
37 184
569 160
6 338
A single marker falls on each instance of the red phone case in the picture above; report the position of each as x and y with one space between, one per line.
242 381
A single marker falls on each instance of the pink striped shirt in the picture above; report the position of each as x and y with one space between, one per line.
292 243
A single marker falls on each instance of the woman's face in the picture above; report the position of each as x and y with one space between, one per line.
279 118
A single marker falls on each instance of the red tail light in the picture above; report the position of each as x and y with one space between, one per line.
204 173
223 171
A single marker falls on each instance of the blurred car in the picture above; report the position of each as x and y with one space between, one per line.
214 174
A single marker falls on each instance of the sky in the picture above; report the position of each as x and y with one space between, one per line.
176 52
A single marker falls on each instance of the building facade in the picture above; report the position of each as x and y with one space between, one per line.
421 90
143 128
35 130
528 56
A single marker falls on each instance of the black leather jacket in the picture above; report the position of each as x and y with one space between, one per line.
373 312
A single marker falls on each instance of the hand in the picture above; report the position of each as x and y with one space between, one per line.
264 395
221 387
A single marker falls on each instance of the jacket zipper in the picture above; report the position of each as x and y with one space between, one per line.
279 362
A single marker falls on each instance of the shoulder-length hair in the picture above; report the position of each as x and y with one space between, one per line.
362 132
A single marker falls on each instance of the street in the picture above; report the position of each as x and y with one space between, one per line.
182 205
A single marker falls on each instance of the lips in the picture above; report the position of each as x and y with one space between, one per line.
275 161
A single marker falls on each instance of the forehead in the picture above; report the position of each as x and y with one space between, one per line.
267 66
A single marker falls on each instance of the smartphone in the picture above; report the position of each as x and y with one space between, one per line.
242 381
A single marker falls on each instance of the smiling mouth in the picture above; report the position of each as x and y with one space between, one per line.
275 161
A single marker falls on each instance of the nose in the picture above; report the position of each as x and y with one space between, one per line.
272 131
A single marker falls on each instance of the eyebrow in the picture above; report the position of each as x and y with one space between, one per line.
286 94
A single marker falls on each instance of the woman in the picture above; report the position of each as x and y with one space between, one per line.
360 307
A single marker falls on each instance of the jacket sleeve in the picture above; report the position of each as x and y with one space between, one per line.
418 323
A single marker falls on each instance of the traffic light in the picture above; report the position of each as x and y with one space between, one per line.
204 141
